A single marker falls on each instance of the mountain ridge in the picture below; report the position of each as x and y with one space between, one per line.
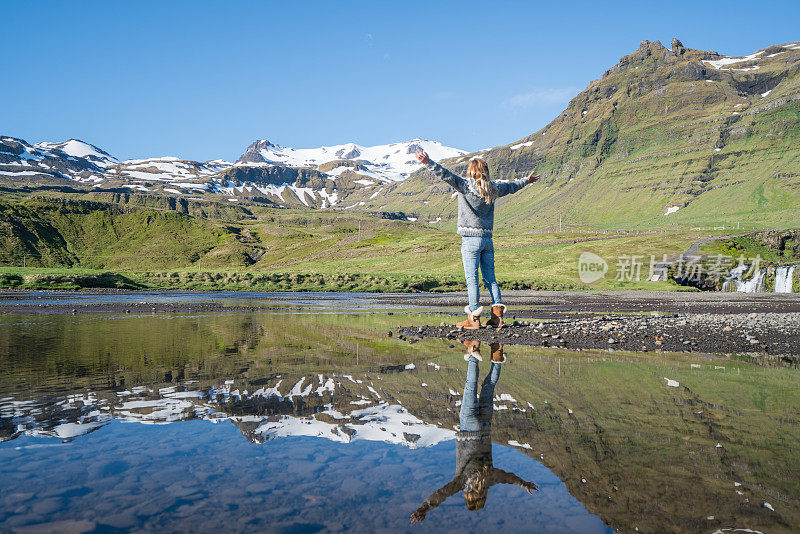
265 172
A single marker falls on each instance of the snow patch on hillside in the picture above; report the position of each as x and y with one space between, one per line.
521 145
719 63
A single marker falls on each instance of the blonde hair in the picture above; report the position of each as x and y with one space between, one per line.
478 170
476 490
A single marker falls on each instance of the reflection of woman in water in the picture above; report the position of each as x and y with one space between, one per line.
475 473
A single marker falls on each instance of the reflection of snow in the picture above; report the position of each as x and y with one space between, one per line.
387 423
381 422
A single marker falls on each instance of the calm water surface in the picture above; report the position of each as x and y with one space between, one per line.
304 422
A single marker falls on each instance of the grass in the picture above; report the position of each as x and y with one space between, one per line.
72 245
387 259
750 248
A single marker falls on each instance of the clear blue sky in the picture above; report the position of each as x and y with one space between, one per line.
202 80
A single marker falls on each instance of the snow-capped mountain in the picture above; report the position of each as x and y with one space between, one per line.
80 149
384 163
315 177
83 162
73 160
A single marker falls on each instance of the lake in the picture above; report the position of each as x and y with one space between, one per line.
309 416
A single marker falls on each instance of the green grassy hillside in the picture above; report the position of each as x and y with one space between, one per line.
662 129
71 243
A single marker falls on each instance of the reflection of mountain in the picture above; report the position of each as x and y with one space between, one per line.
262 415
647 451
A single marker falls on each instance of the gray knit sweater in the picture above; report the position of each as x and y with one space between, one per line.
475 216
473 451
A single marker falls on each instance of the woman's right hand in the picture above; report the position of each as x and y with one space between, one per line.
416 517
422 156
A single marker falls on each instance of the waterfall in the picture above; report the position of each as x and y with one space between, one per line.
754 285
783 279
734 281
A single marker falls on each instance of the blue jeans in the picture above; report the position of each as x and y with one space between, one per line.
476 414
479 252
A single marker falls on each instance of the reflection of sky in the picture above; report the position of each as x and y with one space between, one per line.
198 476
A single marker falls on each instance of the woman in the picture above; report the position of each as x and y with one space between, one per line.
476 196
475 473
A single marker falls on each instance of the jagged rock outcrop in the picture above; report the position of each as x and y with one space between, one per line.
252 154
277 175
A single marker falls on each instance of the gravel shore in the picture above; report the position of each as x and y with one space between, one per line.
774 334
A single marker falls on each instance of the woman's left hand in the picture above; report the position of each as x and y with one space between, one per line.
530 487
533 177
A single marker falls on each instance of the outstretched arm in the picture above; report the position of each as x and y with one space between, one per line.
436 498
507 188
504 477
443 173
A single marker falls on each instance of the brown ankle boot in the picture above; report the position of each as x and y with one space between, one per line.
498 356
496 320
473 349
473 321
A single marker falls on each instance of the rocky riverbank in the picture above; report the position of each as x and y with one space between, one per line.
758 334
